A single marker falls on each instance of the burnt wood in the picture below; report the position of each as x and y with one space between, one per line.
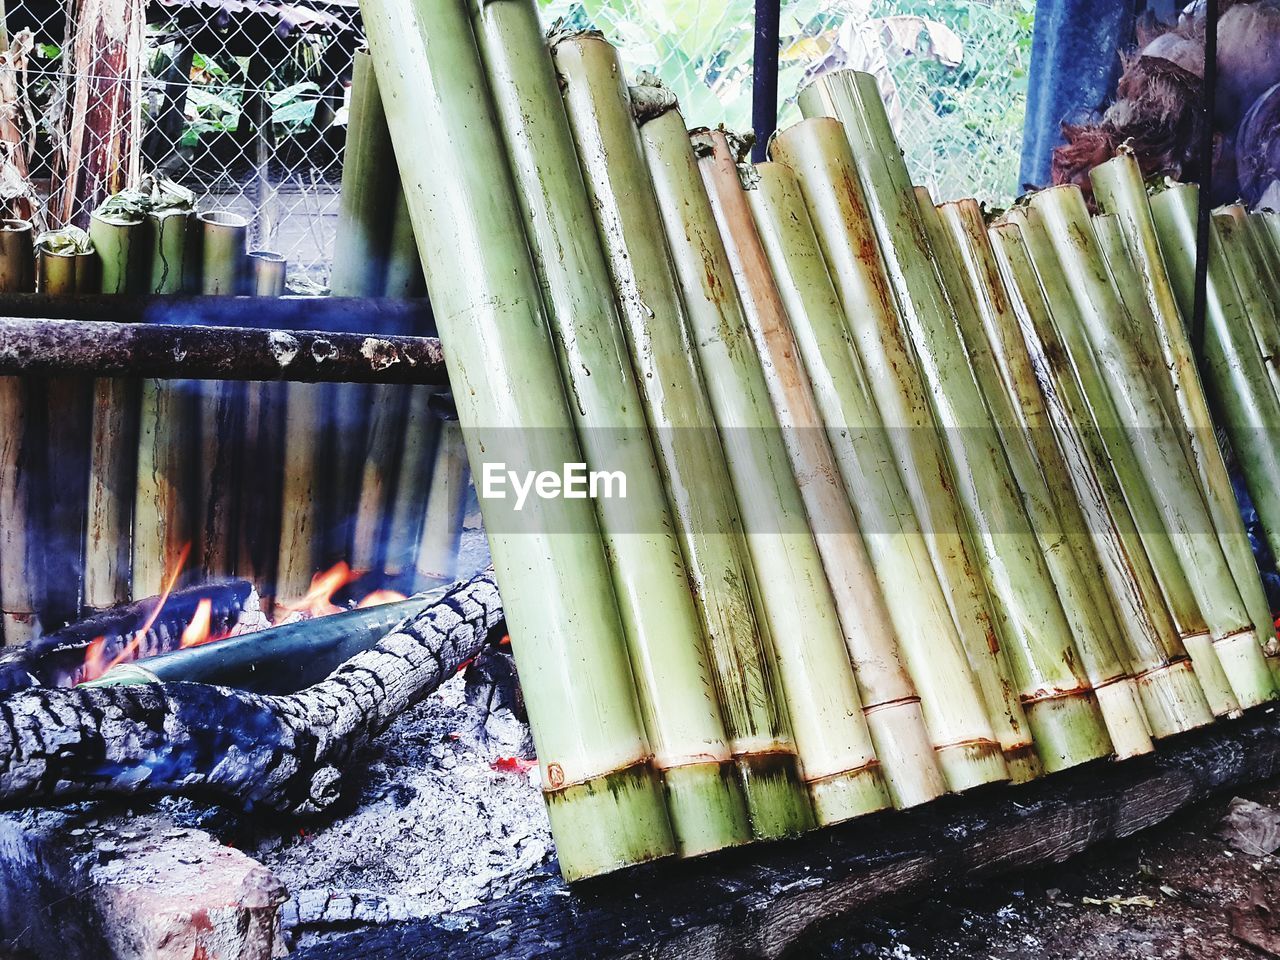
764 901
107 349
284 753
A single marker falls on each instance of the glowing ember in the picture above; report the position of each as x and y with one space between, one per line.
379 597
200 629
318 601
513 764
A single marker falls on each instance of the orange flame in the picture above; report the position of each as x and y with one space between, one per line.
379 597
200 629
318 601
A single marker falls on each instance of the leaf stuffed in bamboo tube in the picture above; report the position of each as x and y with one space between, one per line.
1062 712
62 256
1171 694
930 645
689 450
664 634
818 152
960 243
889 699
836 754
1119 186
605 800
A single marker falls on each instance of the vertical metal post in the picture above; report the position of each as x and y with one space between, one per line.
764 76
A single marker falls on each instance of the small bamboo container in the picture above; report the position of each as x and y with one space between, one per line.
172 232
17 257
121 243
267 273
56 273
223 253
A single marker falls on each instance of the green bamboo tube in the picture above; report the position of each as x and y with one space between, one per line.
1237 246
837 757
260 487
267 273
56 273
1269 224
404 269
818 152
1143 507
1062 713
113 446
690 453
388 404
413 481
220 414
664 634
367 201
1001 365
889 699
1127 238
223 255
1258 238
298 557
121 243
163 514
952 702
170 232
437 561
17 257
1127 369
18 617
604 798
1171 695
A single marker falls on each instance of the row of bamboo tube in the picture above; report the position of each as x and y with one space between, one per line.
915 502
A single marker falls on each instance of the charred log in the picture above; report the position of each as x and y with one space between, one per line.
285 753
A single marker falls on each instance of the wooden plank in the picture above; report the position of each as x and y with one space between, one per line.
762 901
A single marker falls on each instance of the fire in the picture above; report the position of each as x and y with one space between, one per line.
379 597
200 629
318 601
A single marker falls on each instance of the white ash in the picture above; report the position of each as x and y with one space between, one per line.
448 818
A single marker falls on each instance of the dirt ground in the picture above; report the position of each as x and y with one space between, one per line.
1175 891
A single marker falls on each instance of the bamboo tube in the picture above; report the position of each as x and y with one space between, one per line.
1003 369
818 152
663 630
380 458
113 440
952 702
56 273
259 487
413 482
368 198
437 560
221 426
889 699
1127 237
300 521
604 799
223 254
1061 712
171 231
1269 223
404 269
17 583
1171 695
1238 250
163 515
17 257
1127 369
837 757
121 243
268 273
690 453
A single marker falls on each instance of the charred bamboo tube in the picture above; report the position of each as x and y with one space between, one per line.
171 231
837 757
1255 297
952 702
1127 369
223 253
889 699
664 633
413 482
605 801
258 514
113 446
690 452
1235 376
1126 238
300 521
1143 506
121 245
163 514
818 152
404 268
367 200
967 262
437 561
268 273
221 426
1171 695
1061 711
17 257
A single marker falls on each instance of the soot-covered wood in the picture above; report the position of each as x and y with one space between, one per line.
763 901
285 753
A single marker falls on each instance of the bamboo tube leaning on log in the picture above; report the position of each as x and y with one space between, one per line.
837 758
1143 508
18 617
817 150
889 699
436 563
967 262
1171 695
1186 395
1149 429
1062 712
690 452
663 631
404 269
952 702
1255 297
604 798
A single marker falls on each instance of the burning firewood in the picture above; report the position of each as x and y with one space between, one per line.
285 753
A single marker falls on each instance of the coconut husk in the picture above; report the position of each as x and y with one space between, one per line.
1257 147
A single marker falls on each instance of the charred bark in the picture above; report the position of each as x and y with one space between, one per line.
285 753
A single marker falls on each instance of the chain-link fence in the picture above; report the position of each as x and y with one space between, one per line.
243 100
